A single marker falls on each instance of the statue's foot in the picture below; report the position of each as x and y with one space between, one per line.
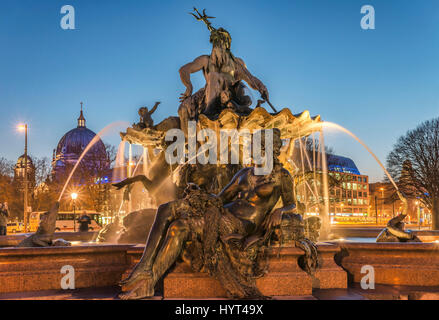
135 276
144 288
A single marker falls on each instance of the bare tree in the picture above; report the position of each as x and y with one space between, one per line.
111 153
414 163
8 190
42 169
6 167
6 176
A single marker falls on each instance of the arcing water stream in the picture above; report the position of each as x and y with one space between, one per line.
338 127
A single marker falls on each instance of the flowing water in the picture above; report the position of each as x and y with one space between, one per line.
119 171
309 192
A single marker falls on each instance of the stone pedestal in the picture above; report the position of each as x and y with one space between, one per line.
330 275
284 277
39 269
32 269
409 264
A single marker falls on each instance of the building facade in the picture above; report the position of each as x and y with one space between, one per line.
19 173
349 192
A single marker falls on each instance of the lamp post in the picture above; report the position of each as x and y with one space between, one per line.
376 210
23 127
382 202
418 211
74 196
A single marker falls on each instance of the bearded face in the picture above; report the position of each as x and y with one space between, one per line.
220 38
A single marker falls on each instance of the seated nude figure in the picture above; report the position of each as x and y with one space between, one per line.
247 208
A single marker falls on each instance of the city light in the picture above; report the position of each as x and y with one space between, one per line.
74 196
21 127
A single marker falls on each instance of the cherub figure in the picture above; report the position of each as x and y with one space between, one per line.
145 117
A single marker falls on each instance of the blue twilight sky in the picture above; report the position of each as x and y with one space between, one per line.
311 54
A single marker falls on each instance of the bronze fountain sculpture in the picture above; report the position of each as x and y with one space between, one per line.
394 231
227 232
224 216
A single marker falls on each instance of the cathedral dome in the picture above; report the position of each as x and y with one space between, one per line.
21 163
74 142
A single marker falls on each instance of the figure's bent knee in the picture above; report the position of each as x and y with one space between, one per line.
164 212
178 227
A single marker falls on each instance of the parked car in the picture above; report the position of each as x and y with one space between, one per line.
15 227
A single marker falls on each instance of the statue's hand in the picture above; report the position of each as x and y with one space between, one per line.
264 92
275 219
186 94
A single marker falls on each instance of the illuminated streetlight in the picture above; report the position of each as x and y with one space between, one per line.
74 196
23 127
382 201
418 211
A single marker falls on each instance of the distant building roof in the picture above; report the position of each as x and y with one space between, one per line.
341 164
334 162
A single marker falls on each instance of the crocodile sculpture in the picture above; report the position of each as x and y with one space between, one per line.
43 237
394 231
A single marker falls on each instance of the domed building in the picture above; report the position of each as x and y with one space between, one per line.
19 172
71 146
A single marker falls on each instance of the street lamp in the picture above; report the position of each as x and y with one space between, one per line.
23 127
382 202
418 212
74 196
